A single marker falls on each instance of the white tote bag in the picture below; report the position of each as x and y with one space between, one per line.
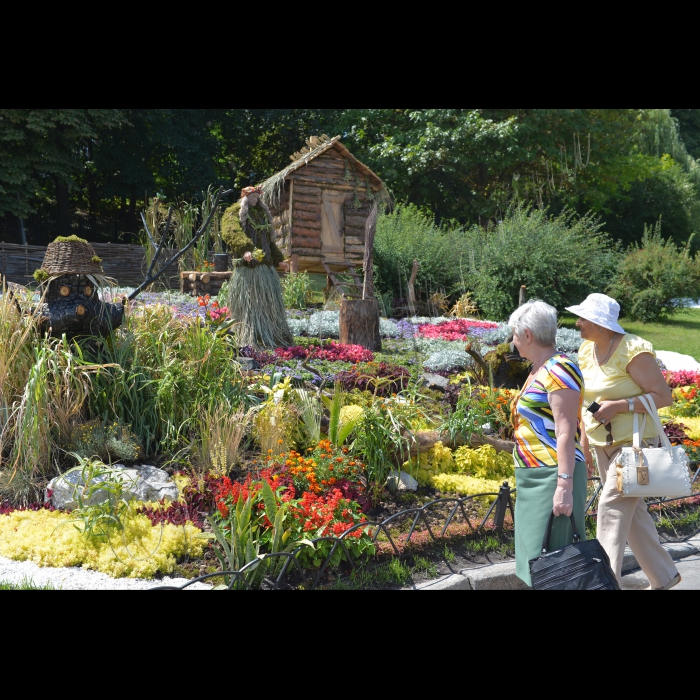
659 472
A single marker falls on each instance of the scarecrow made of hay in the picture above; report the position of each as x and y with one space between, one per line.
255 293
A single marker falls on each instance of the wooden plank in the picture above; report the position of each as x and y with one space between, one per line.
308 233
332 154
310 190
302 216
303 245
308 200
324 170
308 206
309 228
354 221
308 180
301 250
354 240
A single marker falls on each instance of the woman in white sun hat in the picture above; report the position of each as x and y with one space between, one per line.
617 367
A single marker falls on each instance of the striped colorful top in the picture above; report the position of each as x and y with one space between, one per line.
535 440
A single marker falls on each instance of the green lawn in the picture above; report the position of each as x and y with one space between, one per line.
681 333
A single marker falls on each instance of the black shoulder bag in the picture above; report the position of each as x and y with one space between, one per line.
581 566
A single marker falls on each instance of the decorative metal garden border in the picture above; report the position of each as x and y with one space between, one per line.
499 508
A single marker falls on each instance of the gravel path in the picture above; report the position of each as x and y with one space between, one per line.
77 579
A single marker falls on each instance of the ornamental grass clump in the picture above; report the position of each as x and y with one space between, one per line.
162 373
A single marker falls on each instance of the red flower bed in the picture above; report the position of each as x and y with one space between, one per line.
453 330
380 376
332 352
682 377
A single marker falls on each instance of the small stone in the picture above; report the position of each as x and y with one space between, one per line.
401 481
247 363
435 381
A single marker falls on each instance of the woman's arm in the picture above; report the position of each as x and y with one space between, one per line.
565 405
646 373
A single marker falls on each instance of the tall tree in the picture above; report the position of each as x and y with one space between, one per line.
42 152
689 127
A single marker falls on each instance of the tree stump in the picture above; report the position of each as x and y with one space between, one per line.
359 323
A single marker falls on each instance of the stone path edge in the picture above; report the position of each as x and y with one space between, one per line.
501 577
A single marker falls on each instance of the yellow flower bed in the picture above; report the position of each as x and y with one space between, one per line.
49 538
693 425
466 470
466 485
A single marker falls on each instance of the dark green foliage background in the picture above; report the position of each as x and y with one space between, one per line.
464 165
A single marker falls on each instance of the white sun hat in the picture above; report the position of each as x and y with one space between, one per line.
601 309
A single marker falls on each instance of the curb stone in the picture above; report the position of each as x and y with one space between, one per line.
501 577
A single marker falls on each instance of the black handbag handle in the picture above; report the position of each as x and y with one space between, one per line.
548 532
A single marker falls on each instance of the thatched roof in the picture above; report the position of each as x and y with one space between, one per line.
316 145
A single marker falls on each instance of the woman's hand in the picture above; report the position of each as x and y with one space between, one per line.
609 409
247 256
563 501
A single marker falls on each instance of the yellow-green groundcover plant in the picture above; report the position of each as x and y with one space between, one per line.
50 538
467 471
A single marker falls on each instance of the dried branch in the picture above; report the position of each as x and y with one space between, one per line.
150 278
162 241
148 231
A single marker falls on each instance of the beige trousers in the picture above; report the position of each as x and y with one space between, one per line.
622 520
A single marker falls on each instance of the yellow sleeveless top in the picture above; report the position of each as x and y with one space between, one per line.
612 382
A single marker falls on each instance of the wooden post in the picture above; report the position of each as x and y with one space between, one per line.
411 289
359 323
521 297
294 261
367 262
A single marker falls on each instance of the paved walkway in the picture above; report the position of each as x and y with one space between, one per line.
502 577
689 568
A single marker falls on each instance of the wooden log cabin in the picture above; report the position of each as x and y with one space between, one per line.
320 204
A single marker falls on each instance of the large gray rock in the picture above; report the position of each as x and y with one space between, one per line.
139 482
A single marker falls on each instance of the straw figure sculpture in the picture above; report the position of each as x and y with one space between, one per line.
255 293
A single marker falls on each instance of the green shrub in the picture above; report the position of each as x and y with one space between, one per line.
560 259
409 234
654 277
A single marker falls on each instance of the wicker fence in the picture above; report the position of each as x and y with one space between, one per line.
125 263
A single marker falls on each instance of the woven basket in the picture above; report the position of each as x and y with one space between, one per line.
70 258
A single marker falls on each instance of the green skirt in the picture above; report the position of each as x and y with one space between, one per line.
533 504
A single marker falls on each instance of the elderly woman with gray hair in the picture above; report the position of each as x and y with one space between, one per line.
550 464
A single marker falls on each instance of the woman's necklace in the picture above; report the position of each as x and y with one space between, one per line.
607 354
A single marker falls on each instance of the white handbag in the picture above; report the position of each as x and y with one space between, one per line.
659 472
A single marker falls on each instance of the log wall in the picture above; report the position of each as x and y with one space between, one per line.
281 224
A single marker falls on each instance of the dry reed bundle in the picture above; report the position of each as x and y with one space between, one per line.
255 304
